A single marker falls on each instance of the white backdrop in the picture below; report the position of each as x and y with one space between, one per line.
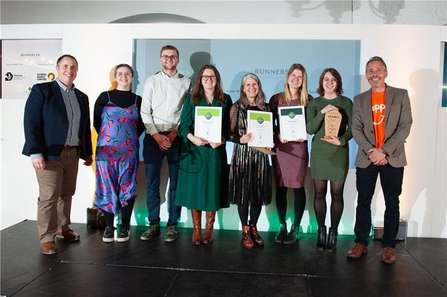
413 55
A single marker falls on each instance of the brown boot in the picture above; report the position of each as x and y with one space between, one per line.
197 223
208 237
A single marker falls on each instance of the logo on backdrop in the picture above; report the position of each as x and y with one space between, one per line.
277 71
9 76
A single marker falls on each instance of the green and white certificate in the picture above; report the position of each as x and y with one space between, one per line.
292 123
260 124
208 123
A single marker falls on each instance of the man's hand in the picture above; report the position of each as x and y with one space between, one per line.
88 161
377 156
163 141
38 163
172 136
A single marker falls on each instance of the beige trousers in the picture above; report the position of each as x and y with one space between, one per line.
57 185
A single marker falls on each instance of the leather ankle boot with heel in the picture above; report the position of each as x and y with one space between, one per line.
293 235
197 222
282 233
246 242
255 236
321 239
332 240
208 236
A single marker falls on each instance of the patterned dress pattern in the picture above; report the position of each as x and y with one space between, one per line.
117 157
250 175
292 158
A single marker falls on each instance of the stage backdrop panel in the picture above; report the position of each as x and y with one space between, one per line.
27 62
268 59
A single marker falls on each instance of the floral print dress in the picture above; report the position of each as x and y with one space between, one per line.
117 157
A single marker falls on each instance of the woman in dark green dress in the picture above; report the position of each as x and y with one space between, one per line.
329 156
203 176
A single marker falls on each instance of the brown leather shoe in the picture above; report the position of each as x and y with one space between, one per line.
48 248
70 235
388 255
357 251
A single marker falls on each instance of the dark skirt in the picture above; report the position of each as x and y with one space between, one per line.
250 177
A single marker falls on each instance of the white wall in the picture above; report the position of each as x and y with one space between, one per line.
413 55
416 12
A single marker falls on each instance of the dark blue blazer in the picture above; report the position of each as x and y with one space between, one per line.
46 122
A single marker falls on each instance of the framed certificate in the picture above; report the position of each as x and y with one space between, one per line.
292 123
260 124
208 123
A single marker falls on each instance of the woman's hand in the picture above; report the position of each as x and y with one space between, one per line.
246 138
286 141
282 140
328 108
332 140
217 144
199 141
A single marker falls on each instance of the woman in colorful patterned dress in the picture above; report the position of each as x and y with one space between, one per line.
118 123
292 157
250 178
329 156
203 176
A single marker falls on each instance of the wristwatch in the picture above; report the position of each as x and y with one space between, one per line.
384 152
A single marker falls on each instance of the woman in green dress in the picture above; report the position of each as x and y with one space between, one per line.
329 156
203 176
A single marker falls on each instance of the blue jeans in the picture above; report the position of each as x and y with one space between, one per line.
153 158
391 181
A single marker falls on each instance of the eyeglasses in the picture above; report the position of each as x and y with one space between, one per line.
206 77
166 57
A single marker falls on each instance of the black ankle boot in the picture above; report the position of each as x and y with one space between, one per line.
332 240
279 238
293 235
321 239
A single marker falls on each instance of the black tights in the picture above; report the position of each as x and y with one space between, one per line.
126 213
255 212
299 204
336 202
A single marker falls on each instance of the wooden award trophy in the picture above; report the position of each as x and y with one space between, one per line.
332 121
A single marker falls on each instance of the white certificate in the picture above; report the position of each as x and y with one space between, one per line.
292 123
260 124
208 123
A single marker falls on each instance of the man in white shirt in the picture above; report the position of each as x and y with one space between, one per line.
163 97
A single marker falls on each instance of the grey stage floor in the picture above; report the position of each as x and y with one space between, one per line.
136 268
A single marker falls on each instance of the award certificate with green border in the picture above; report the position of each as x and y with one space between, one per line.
260 124
292 123
208 123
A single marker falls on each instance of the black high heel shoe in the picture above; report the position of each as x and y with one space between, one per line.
321 239
332 240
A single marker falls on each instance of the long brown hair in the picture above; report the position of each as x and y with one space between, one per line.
285 97
198 92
